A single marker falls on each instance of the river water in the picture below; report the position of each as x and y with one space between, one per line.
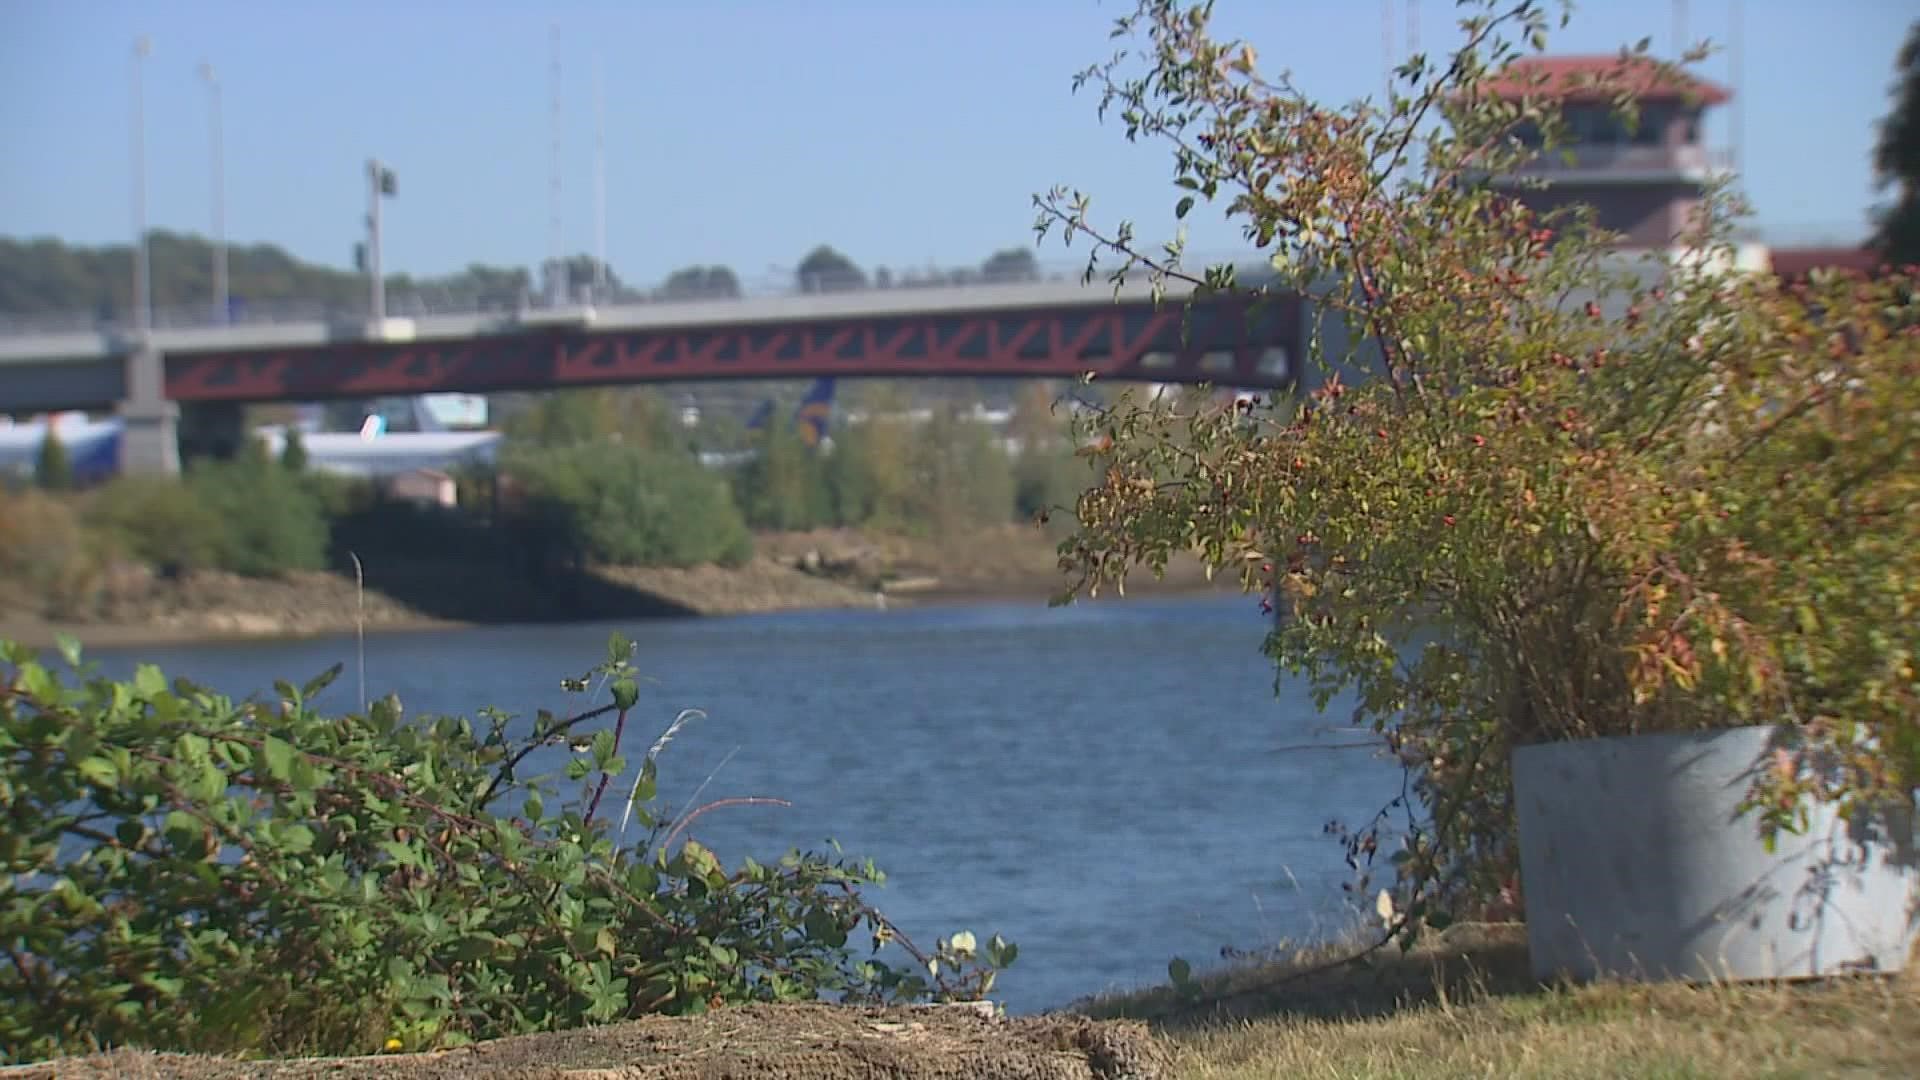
1108 785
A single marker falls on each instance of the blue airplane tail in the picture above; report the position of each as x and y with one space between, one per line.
815 412
810 419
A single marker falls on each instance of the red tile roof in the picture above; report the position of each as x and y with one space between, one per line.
1548 75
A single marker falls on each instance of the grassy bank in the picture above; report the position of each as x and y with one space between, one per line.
1463 1007
1467 1007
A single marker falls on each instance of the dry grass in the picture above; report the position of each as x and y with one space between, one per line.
1467 1007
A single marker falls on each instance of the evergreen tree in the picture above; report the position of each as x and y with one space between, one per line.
1896 159
53 470
294 454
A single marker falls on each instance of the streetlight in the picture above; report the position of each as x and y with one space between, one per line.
212 80
142 266
380 182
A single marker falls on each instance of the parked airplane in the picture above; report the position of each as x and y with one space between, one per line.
93 446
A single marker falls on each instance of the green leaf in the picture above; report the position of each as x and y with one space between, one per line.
619 648
183 831
646 788
322 681
279 757
99 771
69 647
148 682
1179 971
625 693
296 838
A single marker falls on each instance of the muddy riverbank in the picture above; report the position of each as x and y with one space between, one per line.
819 570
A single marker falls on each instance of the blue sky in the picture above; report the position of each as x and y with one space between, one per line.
902 132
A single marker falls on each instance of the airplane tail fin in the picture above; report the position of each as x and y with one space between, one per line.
815 412
810 419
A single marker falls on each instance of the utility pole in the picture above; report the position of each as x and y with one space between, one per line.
142 264
599 187
1736 45
556 268
380 182
220 306
1386 53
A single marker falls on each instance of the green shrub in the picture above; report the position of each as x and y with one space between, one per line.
272 521
1585 492
46 558
293 455
785 486
53 468
159 521
188 872
632 506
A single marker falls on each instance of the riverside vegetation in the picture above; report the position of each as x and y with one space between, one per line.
1583 494
567 498
191 872
1539 521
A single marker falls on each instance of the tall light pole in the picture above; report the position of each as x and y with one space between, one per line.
558 286
599 187
142 266
380 182
208 76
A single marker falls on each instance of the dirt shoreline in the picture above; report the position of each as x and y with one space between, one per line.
794 572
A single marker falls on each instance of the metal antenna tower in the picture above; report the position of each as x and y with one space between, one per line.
599 187
1736 45
1386 50
557 286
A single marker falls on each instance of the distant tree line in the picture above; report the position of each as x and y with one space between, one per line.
946 475
46 276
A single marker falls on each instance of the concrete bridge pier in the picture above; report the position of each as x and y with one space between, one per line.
149 434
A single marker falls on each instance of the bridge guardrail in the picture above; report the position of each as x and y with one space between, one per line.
428 303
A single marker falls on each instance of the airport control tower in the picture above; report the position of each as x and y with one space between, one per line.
1644 183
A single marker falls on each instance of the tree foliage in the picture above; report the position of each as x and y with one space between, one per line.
43 275
826 270
629 505
785 486
701 283
1580 495
629 416
293 453
190 872
53 467
1896 158
270 521
248 516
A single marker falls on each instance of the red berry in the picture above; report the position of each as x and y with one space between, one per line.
1479 440
1447 519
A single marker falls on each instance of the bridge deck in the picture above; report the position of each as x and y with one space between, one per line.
39 348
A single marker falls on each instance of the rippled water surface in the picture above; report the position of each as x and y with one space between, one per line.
1108 785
